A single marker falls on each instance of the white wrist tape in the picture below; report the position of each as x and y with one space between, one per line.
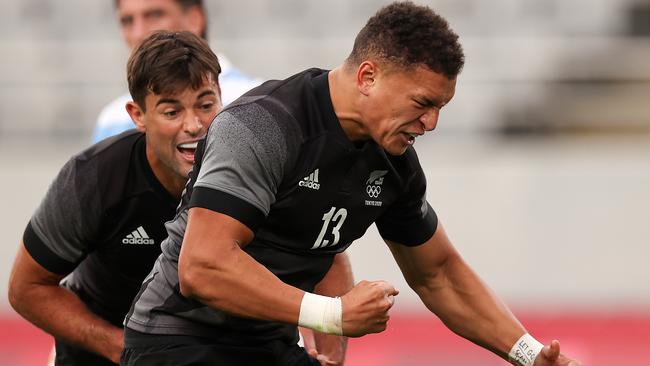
525 350
321 313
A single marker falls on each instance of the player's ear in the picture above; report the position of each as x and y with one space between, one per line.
137 115
366 74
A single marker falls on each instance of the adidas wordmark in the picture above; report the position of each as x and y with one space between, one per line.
310 181
138 236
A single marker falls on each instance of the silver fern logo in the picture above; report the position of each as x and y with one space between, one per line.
373 186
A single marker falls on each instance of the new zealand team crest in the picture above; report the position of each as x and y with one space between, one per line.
373 187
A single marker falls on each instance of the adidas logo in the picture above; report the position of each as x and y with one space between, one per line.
310 181
138 236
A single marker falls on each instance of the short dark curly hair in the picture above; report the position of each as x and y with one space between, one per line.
169 62
408 35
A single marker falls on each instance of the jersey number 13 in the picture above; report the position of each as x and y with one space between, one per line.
336 218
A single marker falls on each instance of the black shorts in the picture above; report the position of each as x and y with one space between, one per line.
69 355
165 350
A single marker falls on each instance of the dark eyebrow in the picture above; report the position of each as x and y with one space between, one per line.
167 100
155 11
207 92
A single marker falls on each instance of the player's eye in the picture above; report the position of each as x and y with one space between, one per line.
155 14
207 106
171 113
126 21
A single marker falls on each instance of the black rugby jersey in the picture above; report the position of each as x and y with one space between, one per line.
102 221
278 160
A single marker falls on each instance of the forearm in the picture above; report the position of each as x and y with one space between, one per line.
470 309
61 313
337 282
259 293
36 295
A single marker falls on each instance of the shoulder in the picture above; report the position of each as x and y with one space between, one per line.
255 126
114 148
278 115
262 126
109 160
279 105
106 158
287 99
113 169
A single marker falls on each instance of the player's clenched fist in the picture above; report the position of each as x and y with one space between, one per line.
365 308
550 356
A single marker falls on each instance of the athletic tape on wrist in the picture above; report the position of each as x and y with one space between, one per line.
525 350
321 313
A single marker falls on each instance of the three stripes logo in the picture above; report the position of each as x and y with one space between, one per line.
138 236
310 181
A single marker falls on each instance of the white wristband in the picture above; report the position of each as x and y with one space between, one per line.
525 350
321 313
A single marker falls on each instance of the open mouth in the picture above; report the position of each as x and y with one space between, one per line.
410 137
187 150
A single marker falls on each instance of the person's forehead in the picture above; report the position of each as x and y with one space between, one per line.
143 5
427 82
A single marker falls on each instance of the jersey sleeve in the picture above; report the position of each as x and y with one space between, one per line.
60 233
243 164
409 221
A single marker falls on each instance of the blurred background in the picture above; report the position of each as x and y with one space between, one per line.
539 168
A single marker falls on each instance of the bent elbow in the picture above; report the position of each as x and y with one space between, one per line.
13 297
198 276
187 282
424 282
421 288
16 296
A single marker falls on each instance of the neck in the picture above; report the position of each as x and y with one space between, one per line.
344 95
171 181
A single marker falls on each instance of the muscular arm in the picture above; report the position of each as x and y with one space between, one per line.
451 290
212 254
34 293
212 267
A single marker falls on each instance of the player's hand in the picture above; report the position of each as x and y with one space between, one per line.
365 308
322 359
550 356
309 342
333 353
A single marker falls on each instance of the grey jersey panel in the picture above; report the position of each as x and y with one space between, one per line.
68 215
239 162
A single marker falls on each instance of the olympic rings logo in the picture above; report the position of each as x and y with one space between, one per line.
373 191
